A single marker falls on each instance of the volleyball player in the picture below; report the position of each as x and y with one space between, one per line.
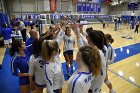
6 33
107 53
137 27
22 28
50 55
119 23
104 24
53 67
89 66
69 43
33 35
36 67
94 38
111 51
20 63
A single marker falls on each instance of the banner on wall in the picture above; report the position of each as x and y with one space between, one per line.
59 4
52 5
88 5
79 7
70 6
84 7
74 1
24 16
64 6
98 8
93 7
107 1
46 5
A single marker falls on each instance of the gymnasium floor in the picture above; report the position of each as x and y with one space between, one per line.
124 73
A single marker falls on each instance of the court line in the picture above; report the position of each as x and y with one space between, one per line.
123 78
128 46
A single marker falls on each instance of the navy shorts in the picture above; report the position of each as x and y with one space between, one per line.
56 91
40 85
24 81
69 52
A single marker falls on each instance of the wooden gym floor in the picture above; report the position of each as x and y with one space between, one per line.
124 74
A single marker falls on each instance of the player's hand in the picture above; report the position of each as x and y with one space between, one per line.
32 85
58 27
74 26
81 28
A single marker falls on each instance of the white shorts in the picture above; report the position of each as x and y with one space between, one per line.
7 41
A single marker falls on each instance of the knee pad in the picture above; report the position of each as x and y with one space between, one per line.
107 82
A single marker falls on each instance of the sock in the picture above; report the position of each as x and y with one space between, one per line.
112 91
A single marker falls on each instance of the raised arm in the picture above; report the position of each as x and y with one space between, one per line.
81 40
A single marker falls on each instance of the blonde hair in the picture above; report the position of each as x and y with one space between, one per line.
48 47
92 59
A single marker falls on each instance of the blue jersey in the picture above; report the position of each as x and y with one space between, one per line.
20 65
6 33
29 41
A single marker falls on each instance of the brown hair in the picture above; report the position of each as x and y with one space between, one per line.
96 37
15 47
109 37
67 27
91 58
48 47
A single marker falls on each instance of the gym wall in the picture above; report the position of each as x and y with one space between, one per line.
37 6
123 9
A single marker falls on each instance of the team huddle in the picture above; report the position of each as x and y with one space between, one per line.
37 62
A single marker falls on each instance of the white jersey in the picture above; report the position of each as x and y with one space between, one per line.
97 81
59 37
80 82
36 68
111 54
105 52
54 75
53 70
68 42
82 41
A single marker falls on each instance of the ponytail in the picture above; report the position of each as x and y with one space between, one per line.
91 58
15 47
48 47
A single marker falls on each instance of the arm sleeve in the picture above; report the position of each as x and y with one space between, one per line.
31 67
14 68
82 41
59 37
111 55
29 49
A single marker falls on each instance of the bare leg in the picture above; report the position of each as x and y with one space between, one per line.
24 89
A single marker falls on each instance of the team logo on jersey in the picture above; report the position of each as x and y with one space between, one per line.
88 79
